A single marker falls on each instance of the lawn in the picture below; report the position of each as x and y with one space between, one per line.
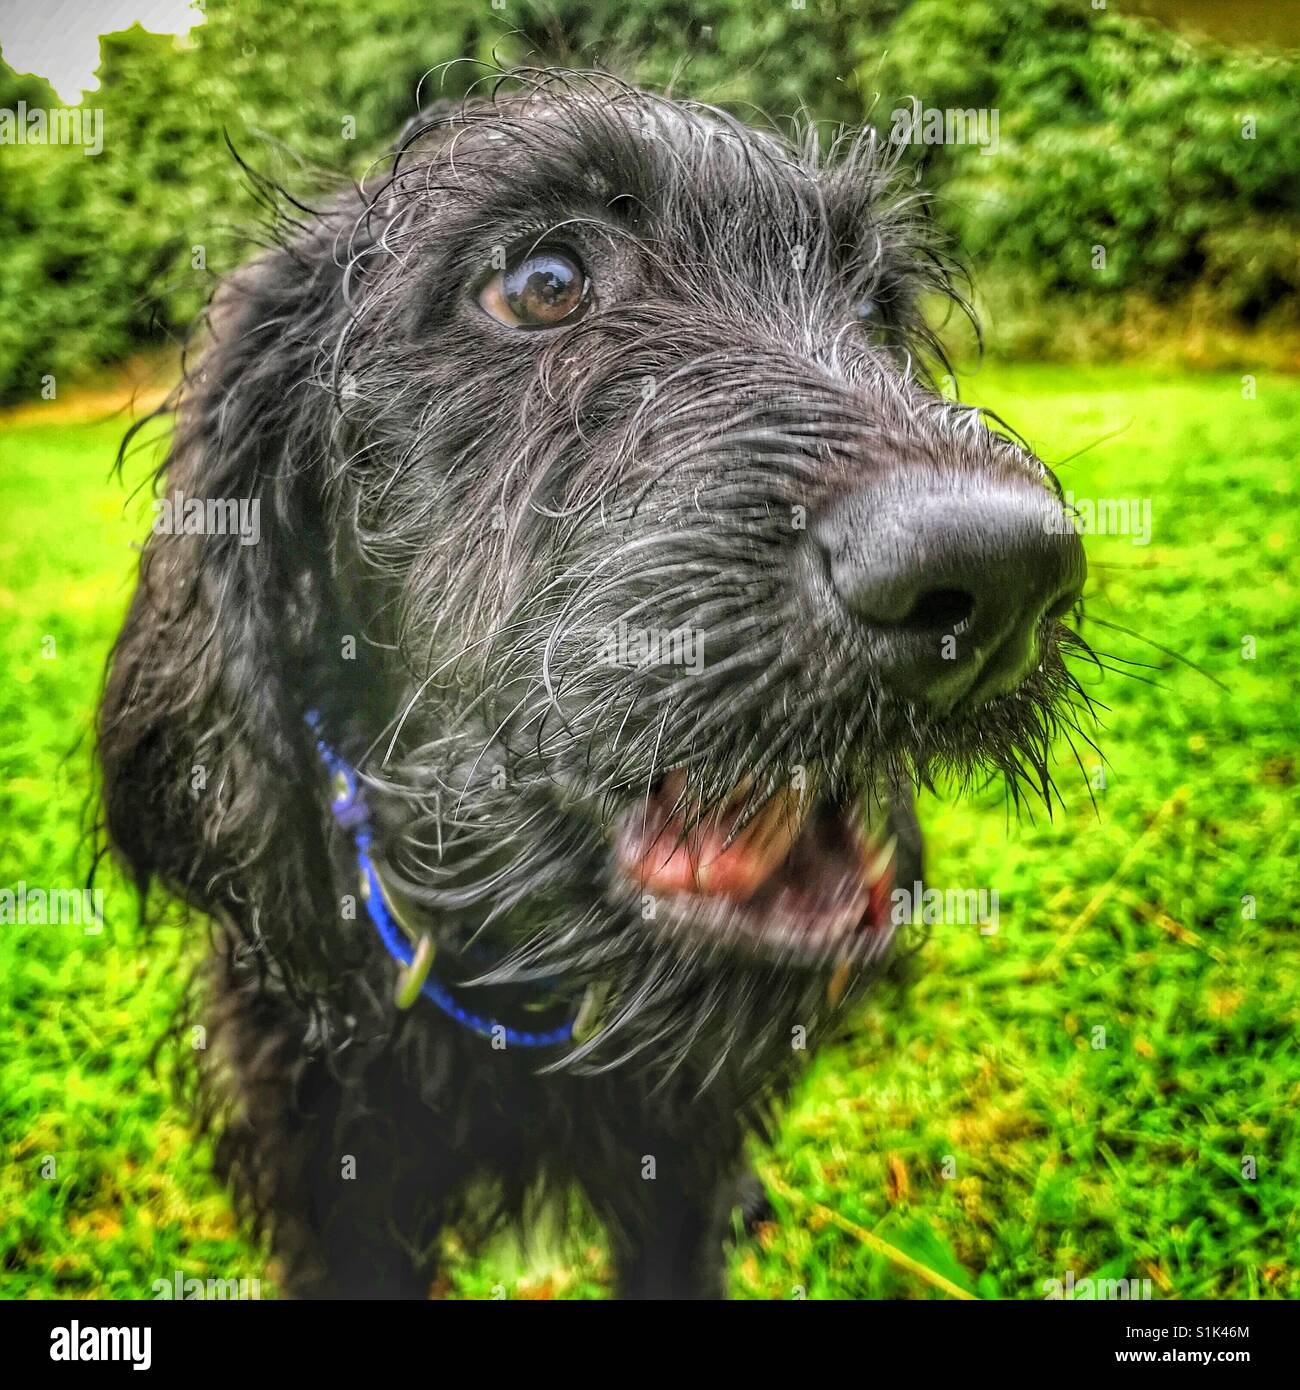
1107 1085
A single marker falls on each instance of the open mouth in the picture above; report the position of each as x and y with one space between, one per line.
801 879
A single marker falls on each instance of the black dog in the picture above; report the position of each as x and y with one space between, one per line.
610 532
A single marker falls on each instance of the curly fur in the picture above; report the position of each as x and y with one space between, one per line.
468 508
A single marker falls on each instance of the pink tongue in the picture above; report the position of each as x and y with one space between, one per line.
703 863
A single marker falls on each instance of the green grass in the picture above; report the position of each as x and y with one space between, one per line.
968 1129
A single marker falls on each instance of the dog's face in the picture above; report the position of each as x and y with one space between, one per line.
668 567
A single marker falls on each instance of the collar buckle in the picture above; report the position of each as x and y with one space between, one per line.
411 978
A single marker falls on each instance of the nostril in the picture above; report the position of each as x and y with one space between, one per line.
939 609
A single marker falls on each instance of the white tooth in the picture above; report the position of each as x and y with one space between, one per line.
879 866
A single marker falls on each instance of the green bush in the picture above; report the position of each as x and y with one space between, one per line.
1179 161
107 254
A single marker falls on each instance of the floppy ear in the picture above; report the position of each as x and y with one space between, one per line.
210 785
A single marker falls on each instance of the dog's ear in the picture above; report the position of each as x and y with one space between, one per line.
210 785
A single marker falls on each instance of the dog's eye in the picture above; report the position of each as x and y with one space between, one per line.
541 290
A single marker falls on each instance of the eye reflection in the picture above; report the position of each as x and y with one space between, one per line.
540 290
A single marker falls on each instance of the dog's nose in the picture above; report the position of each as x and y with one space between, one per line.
952 581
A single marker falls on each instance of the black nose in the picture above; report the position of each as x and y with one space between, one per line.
952 581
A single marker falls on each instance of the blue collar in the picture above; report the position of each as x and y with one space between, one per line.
414 948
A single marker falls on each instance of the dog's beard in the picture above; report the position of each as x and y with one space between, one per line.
523 765
505 825
523 883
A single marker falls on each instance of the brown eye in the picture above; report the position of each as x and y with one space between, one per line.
539 291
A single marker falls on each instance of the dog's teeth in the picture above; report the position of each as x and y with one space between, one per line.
880 864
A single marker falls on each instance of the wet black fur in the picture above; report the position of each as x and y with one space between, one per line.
467 505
